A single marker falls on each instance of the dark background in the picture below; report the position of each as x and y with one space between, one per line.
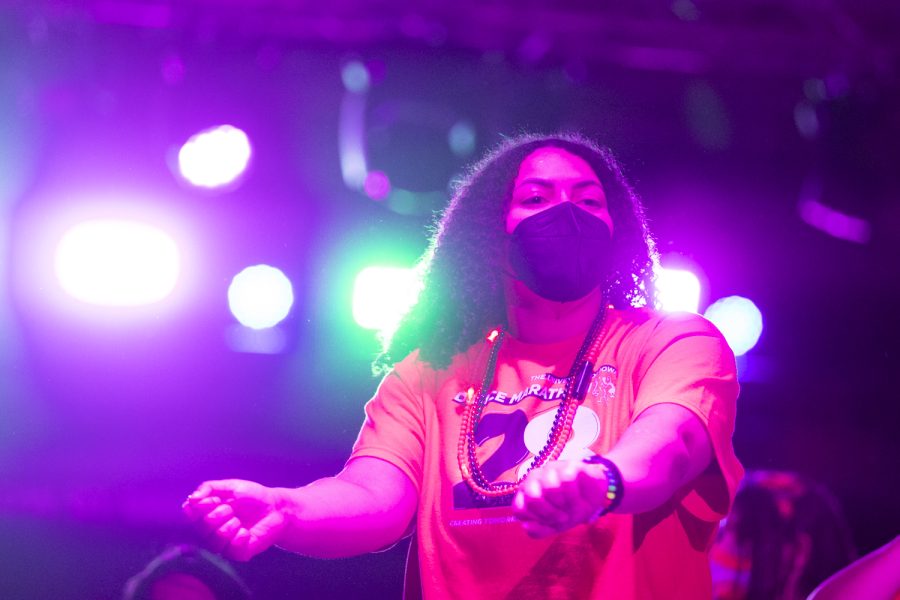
724 116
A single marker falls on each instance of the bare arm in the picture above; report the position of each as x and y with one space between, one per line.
875 576
665 448
366 507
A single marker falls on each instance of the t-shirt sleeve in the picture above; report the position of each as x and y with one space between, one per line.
394 426
686 361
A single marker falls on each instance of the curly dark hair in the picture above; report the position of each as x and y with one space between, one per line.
463 294
772 511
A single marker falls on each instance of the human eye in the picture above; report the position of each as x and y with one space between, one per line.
593 202
532 200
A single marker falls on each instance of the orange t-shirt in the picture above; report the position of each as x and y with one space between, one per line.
468 550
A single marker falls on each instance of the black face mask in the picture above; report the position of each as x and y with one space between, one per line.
561 253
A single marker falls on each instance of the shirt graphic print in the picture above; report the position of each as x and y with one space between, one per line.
523 438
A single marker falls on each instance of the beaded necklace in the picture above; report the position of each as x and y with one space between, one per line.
577 382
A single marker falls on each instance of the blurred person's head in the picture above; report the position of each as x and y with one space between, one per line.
185 572
784 536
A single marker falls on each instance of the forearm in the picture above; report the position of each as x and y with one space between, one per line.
875 576
352 513
330 518
666 447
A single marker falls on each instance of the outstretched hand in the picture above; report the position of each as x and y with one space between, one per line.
559 496
238 518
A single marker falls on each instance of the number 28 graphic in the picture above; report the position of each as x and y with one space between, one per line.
523 440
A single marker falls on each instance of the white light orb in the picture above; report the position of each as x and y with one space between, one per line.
214 157
739 320
111 262
260 296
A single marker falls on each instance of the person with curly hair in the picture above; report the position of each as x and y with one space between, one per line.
785 535
540 430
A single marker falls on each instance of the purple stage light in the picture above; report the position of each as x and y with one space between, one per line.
215 157
739 320
117 263
834 222
260 296
377 185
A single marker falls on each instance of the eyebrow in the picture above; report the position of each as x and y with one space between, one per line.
547 183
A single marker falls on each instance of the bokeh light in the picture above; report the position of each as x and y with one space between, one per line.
117 263
270 340
381 296
377 185
834 222
678 289
739 320
461 138
355 77
215 157
260 296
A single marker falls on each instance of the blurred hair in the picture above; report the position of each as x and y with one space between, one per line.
772 511
186 559
463 295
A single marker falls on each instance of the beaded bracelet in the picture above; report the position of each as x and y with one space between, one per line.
615 490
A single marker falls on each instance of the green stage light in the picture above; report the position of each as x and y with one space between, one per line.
381 296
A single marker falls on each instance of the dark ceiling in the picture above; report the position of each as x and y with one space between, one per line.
702 36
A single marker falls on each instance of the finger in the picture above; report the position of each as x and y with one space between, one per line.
239 547
592 490
534 515
587 491
226 489
197 509
188 509
265 532
535 507
202 491
538 530
529 508
520 510
551 489
560 495
216 518
224 535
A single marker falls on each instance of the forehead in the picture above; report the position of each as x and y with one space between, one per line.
554 164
